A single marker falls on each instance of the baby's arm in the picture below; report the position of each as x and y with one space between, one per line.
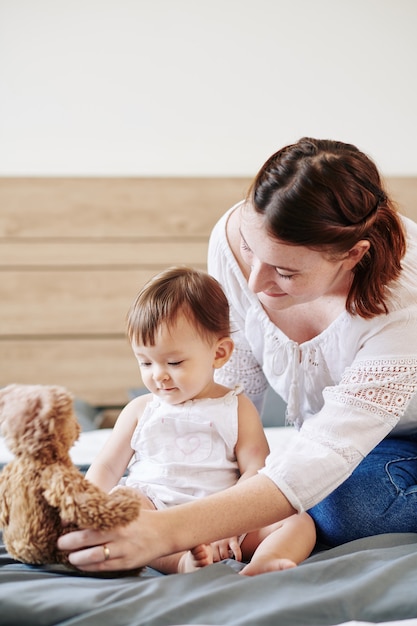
111 462
252 446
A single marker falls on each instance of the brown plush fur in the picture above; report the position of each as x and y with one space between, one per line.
41 487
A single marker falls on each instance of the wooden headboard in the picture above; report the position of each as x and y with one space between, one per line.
73 254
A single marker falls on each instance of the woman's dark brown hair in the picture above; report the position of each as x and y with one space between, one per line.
179 290
327 195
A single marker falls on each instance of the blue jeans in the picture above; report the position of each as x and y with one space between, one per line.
379 497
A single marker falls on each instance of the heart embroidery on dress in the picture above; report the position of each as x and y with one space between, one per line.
188 444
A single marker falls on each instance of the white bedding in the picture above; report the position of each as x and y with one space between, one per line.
91 441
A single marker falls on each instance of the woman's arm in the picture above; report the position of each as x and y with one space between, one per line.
251 504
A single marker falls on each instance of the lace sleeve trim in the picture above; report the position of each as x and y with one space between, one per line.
382 387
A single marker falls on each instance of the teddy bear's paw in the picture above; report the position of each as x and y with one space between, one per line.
127 501
124 507
105 511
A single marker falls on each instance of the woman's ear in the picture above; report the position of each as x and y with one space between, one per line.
355 254
224 349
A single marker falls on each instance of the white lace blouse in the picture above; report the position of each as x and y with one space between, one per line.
345 389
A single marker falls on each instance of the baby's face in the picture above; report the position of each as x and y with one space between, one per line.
179 367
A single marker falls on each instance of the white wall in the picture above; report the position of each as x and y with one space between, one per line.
202 87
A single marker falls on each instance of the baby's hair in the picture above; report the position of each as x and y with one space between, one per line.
177 290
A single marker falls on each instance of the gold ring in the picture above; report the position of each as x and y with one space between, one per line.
106 552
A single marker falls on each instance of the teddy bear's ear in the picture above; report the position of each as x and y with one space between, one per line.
27 412
19 405
9 401
63 421
62 398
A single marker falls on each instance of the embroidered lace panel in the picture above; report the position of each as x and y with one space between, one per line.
243 368
382 387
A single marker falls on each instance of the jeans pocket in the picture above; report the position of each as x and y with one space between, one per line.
403 474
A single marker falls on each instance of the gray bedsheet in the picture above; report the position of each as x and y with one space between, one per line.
372 579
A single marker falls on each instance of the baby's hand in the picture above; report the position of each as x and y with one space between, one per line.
226 549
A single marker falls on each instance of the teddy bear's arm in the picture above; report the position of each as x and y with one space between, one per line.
5 491
81 503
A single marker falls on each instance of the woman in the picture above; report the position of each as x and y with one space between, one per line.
321 275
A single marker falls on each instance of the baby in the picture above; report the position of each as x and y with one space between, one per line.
190 436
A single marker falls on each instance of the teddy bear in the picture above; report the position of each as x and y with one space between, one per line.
42 493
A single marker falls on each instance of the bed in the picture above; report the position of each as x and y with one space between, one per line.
372 580
73 253
365 581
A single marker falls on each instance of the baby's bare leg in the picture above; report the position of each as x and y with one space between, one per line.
280 546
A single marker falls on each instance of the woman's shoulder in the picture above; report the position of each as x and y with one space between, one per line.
409 223
411 235
223 258
224 229
403 292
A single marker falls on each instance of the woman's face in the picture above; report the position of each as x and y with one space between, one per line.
284 275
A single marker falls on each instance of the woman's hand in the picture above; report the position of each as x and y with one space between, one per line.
122 548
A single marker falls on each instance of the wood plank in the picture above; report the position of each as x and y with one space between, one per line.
115 207
68 302
99 371
145 253
404 191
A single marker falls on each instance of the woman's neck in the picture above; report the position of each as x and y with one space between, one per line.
303 322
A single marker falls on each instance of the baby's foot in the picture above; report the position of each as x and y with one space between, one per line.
264 565
200 556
